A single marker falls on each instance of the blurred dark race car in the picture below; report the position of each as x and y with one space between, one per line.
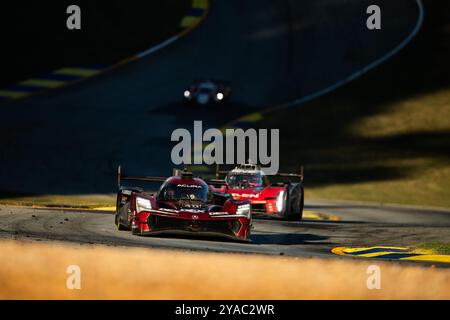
207 92
183 204
283 199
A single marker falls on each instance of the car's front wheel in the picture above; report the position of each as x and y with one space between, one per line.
122 218
119 225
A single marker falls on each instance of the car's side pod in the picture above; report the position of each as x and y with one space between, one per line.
231 205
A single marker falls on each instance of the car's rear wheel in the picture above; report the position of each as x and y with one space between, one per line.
296 207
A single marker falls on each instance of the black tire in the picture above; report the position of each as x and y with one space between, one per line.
120 212
296 207
119 226
302 203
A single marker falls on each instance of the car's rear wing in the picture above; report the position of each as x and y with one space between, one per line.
299 175
121 177
216 182
213 182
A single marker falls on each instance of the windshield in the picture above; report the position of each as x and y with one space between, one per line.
175 192
206 87
244 180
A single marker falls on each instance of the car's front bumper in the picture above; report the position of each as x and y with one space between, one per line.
237 229
260 210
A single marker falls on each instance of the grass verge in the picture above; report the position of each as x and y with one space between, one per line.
433 247
90 201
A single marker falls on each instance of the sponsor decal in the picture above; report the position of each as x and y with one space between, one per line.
189 186
168 210
218 213
193 210
245 195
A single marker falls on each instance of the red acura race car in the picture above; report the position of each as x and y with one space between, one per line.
248 182
183 204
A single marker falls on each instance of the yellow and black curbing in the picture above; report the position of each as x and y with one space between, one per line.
196 14
312 215
53 80
392 253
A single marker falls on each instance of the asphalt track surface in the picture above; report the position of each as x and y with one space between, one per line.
361 225
70 141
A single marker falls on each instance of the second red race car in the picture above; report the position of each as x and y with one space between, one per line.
183 204
283 199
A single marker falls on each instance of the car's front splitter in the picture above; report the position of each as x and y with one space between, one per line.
203 234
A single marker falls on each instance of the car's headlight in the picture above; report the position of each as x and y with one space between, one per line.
280 201
219 96
244 210
143 205
187 94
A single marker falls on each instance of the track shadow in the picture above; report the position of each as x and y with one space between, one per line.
310 223
287 238
301 223
196 237
275 238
